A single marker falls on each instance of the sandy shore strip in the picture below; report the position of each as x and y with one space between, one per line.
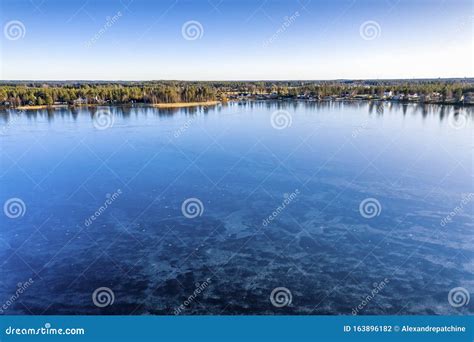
40 107
157 105
185 104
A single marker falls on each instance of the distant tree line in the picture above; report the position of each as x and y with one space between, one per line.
152 92
447 89
49 94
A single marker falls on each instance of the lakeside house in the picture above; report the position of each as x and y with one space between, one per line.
468 98
434 97
79 101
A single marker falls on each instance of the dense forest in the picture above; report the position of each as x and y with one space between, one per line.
85 93
450 90
14 94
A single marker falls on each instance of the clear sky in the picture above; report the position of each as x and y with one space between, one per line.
235 40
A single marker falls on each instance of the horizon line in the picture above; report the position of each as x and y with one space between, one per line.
237 80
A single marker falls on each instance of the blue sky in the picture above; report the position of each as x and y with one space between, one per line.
243 40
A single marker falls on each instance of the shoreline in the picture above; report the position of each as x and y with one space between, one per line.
39 107
185 104
156 105
214 103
